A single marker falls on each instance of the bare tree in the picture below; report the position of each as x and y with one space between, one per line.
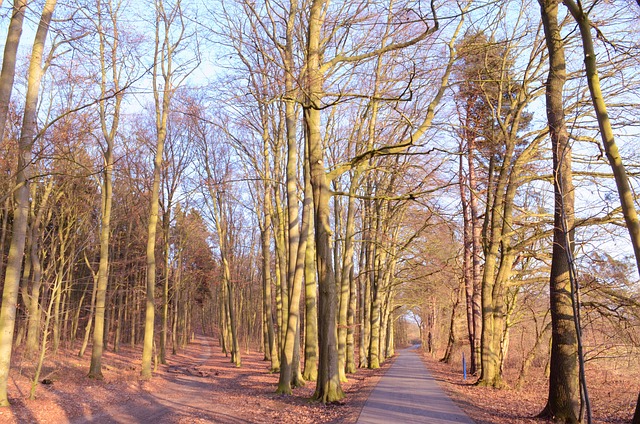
170 37
21 211
8 73
564 391
108 31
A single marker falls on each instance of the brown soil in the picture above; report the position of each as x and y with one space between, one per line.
199 385
612 393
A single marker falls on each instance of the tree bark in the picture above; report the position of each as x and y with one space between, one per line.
310 298
107 59
564 396
8 73
162 93
606 131
328 387
21 211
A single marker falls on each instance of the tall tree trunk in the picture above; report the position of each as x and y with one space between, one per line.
94 293
296 247
162 95
492 285
350 366
164 329
347 283
21 211
310 299
233 326
467 265
366 263
108 61
33 306
606 131
476 267
564 396
95 368
8 73
266 287
328 387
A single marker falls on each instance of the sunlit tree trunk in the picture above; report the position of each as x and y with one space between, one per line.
366 263
296 247
21 211
162 93
328 387
33 299
108 60
8 73
346 282
476 262
310 294
606 131
564 392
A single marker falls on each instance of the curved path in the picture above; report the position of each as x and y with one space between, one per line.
407 393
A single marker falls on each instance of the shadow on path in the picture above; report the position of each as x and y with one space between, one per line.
407 393
183 395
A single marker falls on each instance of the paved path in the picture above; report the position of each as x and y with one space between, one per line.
407 393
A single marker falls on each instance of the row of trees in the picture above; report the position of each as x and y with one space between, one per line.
387 160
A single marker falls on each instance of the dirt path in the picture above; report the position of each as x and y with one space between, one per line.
199 385
183 396
407 393
202 386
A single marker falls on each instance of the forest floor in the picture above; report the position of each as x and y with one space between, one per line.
612 393
200 385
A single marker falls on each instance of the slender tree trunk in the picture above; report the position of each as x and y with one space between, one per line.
8 73
451 341
235 345
87 329
3 236
162 94
63 233
467 267
350 366
149 322
165 281
347 278
95 368
296 247
34 312
310 299
177 295
288 367
476 266
266 284
21 212
531 355
606 131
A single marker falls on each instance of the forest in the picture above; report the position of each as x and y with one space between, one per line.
324 183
